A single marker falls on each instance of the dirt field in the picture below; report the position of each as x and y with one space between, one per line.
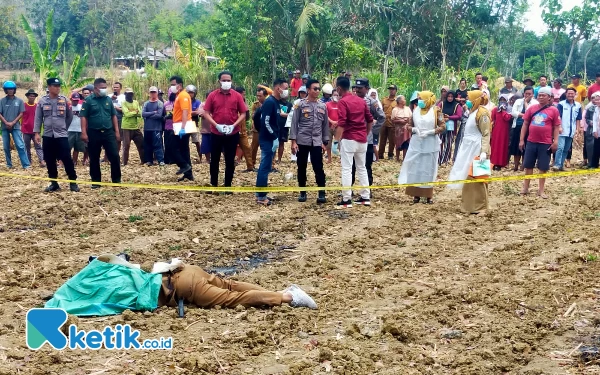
401 288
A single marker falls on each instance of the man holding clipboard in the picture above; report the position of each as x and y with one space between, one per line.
183 127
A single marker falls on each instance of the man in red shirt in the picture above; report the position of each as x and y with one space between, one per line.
296 83
225 110
27 127
594 88
356 121
542 122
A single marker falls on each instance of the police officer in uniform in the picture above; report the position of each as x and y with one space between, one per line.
53 110
362 88
310 136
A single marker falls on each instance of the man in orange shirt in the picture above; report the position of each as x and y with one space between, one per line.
180 143
295 83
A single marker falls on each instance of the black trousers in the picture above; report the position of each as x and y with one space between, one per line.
316 159
98 139
168 149
58 149
180 151
368 164
228 145
595 160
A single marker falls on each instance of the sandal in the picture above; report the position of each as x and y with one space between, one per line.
416 200
524 193
265 202
543 196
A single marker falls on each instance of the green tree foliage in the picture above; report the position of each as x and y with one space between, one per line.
263 39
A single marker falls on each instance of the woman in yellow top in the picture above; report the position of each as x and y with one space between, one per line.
131 125
475 145
421 161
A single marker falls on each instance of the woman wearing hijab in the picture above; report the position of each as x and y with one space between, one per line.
461 126
421 161
402 120
375 95
451 109
475 143
500 137
443 92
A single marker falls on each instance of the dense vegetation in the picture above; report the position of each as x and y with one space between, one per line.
263 38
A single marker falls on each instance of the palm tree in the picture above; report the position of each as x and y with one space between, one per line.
43 61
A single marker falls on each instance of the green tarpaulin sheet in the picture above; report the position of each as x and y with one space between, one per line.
107 289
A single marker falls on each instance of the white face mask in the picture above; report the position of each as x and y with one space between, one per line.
285 94
103 92
174 88
226 86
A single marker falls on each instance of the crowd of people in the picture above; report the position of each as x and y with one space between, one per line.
536 126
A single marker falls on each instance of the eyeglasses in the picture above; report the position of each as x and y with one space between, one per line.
316 88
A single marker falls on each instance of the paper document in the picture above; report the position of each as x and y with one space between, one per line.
190 127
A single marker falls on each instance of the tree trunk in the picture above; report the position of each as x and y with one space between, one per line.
386 62
443 50
93 56
408 46
487 54
585 59
471 53
307 57
573 44
273 66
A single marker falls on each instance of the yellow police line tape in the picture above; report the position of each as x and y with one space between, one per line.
280 189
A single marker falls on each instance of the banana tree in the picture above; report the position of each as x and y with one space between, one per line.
71 76
42 59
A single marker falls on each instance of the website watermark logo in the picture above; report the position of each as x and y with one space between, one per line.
44 326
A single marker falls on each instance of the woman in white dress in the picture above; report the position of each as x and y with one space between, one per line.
421 161
475 143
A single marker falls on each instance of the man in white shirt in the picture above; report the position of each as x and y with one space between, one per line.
118 99
518 111
74 130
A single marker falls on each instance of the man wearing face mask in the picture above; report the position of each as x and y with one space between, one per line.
362 88
180 142
310 136
100 128
118 99
268 137
225 110
284 133
54 111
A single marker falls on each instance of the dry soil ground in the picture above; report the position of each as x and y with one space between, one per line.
401 288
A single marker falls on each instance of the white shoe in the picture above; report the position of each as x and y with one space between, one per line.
300 298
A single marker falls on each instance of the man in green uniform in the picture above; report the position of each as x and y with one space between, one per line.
100 128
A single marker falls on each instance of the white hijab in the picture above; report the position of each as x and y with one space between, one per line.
376 96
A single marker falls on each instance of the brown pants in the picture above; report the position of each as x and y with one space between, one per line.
254 147
138 138
387 133
245 146
196 286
